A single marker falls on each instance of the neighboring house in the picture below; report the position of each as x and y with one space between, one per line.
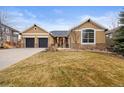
88 34
109 37
8 36
36 37
111 32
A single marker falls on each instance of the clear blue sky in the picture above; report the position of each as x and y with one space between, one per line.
60 17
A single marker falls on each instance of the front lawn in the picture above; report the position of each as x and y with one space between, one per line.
65 69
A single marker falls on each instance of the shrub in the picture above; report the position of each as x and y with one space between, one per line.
52 48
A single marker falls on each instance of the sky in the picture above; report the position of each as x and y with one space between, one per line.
59 17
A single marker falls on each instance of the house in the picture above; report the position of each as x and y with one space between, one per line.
8 36
88 34
111 32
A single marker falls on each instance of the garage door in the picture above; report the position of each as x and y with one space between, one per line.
43 42
29 42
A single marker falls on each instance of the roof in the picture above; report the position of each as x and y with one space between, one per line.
89 20
59 33
113 30
10 28
34 26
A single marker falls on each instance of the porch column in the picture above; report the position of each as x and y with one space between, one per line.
22 42
57 41
64 43
69 42
35 42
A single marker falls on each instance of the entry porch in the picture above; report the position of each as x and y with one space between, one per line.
61 42
61 39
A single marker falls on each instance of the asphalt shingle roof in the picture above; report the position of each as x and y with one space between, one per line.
14 30
59 33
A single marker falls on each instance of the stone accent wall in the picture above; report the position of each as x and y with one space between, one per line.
100 46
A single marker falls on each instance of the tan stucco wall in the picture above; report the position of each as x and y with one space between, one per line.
100 37
75 36
33 30
50 40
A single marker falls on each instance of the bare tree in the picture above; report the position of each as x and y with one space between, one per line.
3 20
75 36
114 21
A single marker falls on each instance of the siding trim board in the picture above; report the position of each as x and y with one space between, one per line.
91 28
28 36
35 36
35 33
42 36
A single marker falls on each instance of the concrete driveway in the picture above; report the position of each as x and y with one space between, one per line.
11 56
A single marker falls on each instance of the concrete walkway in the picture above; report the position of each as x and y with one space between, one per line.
11 56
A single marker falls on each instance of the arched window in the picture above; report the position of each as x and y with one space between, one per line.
88 36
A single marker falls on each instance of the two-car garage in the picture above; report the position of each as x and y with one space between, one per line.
36 37
41 43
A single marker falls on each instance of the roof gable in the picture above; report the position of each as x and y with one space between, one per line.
35 29
12 29
59 33
88 24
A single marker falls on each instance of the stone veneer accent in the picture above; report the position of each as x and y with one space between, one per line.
100 46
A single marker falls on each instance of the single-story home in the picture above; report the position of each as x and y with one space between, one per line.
88 34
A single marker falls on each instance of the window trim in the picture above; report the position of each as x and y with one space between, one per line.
88 42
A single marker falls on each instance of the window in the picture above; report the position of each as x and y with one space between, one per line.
7 30
15 39
7 38
15 33
3 28
88 36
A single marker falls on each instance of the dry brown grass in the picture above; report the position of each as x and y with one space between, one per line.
65 69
